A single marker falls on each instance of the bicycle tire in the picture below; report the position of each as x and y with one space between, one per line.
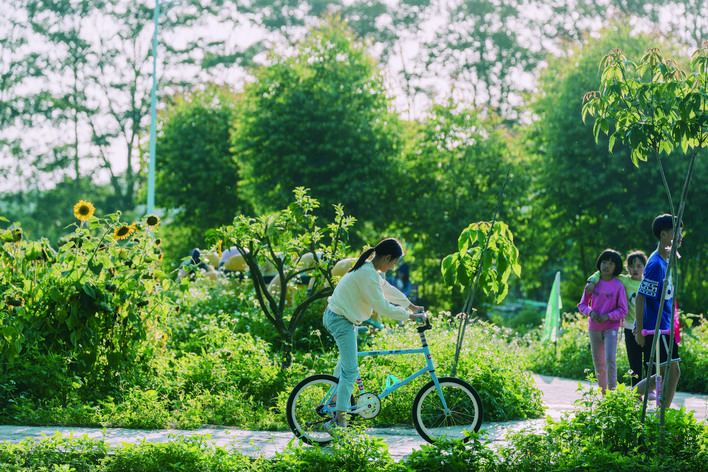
466 411
303 418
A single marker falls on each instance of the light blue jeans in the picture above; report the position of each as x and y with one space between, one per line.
347 369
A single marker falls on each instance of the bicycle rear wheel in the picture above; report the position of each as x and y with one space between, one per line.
465 410
304 409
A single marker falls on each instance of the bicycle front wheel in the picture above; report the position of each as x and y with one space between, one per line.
305 408
464 414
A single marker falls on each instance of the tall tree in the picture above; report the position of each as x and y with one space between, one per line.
19 64
452 174
480 48
319 119
198 174
81 105
588 198
68 61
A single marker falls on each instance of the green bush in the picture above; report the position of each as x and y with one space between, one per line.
77 318
605 433
601 434
142 409
52 412
453 456
231 304
351 451
185 454
54 453
521 316
693 350
570 356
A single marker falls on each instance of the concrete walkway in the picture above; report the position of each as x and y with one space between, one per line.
558 395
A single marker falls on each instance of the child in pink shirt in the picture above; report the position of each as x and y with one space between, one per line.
605 307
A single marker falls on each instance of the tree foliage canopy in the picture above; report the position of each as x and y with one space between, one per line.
197 173
318 119
588 198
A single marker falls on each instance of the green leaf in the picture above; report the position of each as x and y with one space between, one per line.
9 333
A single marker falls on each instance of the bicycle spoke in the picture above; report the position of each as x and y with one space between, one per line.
464 410
306 411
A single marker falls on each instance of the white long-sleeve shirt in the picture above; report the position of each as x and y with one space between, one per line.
361 292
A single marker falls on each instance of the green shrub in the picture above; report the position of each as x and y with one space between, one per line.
57 452
351 451
693 350
570 356
53 412
601 434
81 316
231 304
521 316
453 456
141 409
180 454
605 433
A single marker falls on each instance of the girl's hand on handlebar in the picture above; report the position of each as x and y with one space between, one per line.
415 308
419 317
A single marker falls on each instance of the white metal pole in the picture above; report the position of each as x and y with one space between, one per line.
153 117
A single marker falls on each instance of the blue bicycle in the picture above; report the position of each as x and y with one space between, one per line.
445 407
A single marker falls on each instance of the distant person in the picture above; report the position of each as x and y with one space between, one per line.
648 309
606 307
634 263
401 280
361 291
190 266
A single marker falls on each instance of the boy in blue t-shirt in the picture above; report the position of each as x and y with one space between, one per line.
647 307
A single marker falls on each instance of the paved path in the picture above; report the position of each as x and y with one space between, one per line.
558 395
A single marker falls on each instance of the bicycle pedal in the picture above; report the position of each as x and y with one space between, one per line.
321 410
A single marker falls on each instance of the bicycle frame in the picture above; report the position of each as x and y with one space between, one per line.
429 368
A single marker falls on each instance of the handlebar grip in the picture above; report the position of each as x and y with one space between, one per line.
651 331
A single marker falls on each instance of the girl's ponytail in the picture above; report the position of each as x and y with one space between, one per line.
363 258
387 247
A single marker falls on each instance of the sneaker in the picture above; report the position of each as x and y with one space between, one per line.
332 428
652 395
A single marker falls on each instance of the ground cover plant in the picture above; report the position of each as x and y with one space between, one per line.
602 433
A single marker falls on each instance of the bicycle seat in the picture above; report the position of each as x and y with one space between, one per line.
424 327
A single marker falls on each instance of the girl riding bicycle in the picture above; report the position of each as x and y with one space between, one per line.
361 291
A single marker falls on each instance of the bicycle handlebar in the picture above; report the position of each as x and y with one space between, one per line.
651 331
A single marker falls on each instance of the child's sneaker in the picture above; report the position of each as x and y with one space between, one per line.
332 428
652 395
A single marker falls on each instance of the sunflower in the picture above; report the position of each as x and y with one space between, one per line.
83 210
152 221
122 232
